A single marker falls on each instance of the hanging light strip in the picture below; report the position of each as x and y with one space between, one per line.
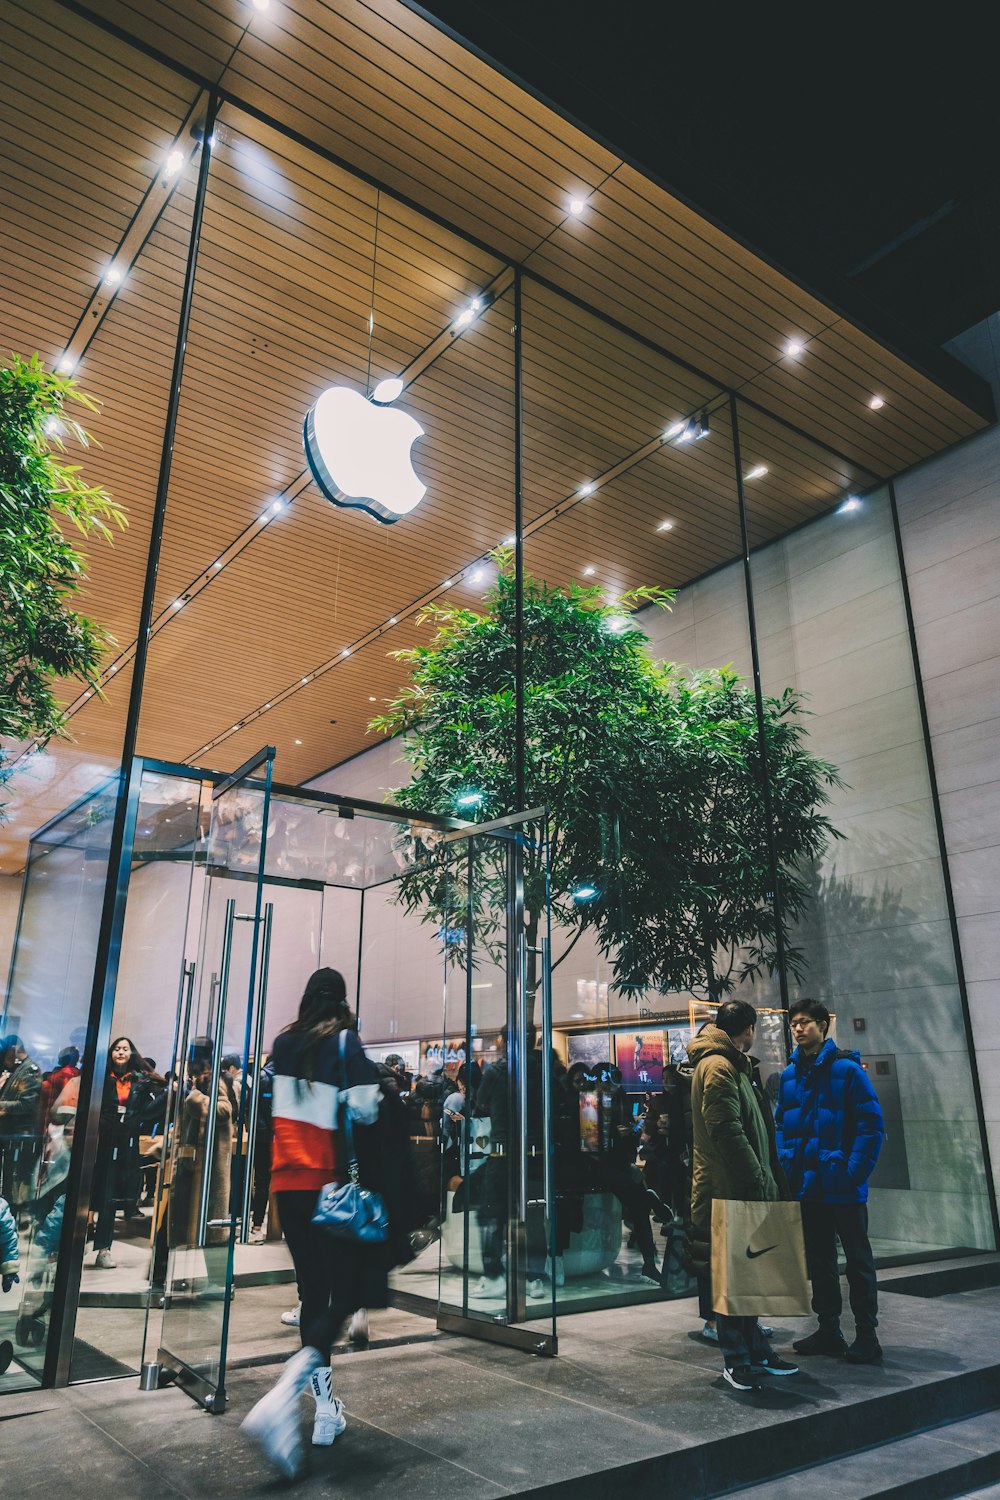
159 193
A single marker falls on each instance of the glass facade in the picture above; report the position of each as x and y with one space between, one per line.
277 619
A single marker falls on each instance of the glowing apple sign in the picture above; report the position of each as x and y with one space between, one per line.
359 453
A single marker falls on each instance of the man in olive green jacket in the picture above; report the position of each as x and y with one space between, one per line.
733 1158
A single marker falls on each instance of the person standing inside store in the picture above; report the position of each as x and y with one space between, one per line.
314 1058
130 1102
830 1131
733 1158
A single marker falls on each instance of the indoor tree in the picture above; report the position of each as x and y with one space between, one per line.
651 774
42 638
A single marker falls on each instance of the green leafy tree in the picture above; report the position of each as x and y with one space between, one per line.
42 638
652 777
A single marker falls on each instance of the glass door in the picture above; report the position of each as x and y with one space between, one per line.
497 1266
219 1027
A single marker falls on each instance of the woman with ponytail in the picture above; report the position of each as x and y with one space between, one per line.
316 1059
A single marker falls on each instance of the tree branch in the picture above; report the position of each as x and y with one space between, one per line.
566 953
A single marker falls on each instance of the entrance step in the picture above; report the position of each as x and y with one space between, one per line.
971 1273
946 1461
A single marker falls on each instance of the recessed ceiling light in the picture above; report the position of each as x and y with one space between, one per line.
589 572
586 489
673 432
511 541
346 651
278 505
577 205
173 164
113 276
851 503
178 604
304 680
392 620
665 526
262 5
66 365
448 583
372 698
478 576
794 348
216 565
877 403
52 425
298 742
757 472
267 705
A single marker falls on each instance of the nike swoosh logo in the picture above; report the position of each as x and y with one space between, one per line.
753 1254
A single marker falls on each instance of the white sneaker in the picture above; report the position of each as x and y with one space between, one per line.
329 1421
536 1288
489 1287
358 1331
291 1317
257 1235
274 1423
104 1261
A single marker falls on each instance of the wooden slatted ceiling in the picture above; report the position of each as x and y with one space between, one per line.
282 300
455 135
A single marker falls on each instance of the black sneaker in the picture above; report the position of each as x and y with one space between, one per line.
865 1351
741 1378
6 1354
772 1365
823 1341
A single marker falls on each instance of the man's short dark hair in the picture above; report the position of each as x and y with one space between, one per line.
814 1009
734 1016
231 1060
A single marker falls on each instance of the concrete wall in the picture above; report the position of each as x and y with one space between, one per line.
949 512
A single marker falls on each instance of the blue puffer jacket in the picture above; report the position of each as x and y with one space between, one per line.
829 1126
8 1240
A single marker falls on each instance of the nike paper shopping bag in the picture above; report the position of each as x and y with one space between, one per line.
758 1260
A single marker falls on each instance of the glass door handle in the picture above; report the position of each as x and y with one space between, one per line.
258 1042
172 1116
543 954
211 1113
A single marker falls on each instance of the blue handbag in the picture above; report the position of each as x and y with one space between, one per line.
347 1210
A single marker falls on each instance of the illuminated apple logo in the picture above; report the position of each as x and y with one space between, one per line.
359 453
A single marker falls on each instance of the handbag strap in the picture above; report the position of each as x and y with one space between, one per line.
344 1115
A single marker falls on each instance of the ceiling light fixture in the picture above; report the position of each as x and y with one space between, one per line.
469 799
52 425
478 576
216 565
665 526
112 276
66 365
794 348
510 541
851 503
589 572
262 5
346 651
695 428
303 680
392 620
173 164
448 583
586 489
877 403
298 742
577 205
673 432
584 893
757 472
278 505
372 698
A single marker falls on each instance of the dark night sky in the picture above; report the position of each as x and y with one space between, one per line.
855 147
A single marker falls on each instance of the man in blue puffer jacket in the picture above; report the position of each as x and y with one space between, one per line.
829 1133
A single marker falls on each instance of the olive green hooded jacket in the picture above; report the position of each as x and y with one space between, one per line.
732 1147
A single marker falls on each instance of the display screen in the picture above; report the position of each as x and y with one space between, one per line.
639 1056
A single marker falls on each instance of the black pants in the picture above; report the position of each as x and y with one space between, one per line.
261 1177
741 1341
822 1225
328 1271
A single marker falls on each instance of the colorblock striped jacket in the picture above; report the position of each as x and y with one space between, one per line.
304 1149
8 1240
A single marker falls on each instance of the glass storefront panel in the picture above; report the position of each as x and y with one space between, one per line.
875 943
